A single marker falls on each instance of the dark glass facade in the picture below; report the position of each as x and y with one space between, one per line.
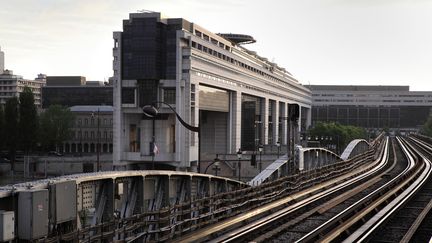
373 117
71 96
147 92
142 48
250 123
149 54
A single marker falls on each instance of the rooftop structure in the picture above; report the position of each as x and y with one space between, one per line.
65 80
238 39
75 91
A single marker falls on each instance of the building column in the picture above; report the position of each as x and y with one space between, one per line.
117 113
235 117
264 120
275 116
300 119
284 120
308 117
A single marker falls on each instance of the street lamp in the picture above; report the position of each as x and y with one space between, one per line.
239 156
278 147
260 149
151 111
216 162
216 165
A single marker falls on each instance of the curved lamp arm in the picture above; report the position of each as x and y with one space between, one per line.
151 111
216 160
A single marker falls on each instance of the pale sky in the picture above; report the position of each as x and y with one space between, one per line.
347 42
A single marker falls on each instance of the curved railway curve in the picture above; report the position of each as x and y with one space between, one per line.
242 227
390 194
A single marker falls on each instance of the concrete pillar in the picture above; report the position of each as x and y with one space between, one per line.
264 119
308 117
235 122
300 119
275 117
117 114
284 116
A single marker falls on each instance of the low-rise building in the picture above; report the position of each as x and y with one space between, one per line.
371 107
92 128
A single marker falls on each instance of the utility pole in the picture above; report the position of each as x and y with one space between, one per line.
98 142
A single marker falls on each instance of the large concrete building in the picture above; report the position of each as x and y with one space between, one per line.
371 107
237 98
13 85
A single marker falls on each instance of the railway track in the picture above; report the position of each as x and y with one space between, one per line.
298 204
393 195
361 226
413 221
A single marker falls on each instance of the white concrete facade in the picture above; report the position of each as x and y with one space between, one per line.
13 85
203 59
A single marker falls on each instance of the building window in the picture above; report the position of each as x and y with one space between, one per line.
133 135
85 134
170 96
92 135
128 96
86 122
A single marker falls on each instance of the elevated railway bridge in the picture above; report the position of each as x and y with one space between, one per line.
141 206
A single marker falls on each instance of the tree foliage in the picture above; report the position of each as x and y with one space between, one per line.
2 129
11 127
28 120
55 126
427 127
343 134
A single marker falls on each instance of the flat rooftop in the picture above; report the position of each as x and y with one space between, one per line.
357 88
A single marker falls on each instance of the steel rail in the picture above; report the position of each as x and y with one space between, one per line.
338 218
367 229
315 193
373 198
421 217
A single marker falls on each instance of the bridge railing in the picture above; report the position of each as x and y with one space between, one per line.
176 220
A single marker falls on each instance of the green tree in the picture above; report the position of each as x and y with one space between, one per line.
2 129
11 128
427 127
28 120
55 126
341 135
